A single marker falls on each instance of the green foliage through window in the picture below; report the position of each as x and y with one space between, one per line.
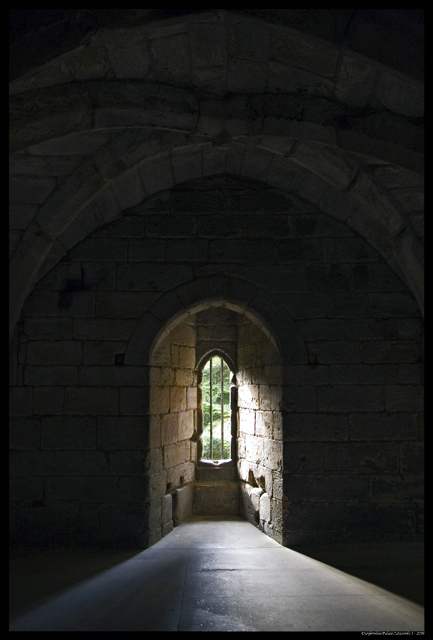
212 395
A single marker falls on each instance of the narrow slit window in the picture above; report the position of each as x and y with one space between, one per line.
216 435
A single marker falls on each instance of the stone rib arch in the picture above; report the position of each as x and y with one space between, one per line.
357 201
189 298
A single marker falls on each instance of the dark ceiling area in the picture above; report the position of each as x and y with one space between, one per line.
394 37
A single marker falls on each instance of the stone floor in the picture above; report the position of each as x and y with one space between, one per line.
214 574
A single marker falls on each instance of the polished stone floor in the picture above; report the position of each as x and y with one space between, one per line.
214 574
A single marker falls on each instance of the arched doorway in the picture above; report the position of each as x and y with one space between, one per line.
183 481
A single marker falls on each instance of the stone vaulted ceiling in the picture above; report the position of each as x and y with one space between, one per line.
110 106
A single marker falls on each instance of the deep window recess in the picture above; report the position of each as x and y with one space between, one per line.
216 435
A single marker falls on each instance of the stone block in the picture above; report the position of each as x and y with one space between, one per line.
186 425
410 374
247 421
48 400
404 397
355 80
77 303
246 40
254 450
399 94
48 328
122 46
248 396
326 488
167 528
183 502
183 356
394 489
387 351
216 498
177 399
122 433
345 304
379 427
172 58
59 463
134 401
91 401
145 277
363 374
166 508
20 401
155 460
104 249
90 489
42 303
328 163
265 508
169 428
113 376
30 190
246 76
124 523
299 398
99 352
264 423
66 433
94 328
177 226
399 304
350 457
272 455
315 427
157 485
174 455
285 78
305 374
21 215
52 375
155 514
24 434
130 225
411 457
257 163
208 46
26 488
187 250
99 275
123 304
303 457
191 398
59 352
270 397
127 463
157 174
342 398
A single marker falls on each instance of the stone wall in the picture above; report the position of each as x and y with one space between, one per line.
173 405
348 334
260 447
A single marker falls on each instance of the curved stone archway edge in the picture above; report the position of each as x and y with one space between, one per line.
273 318
327 178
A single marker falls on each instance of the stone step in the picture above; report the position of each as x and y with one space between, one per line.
203 474
216 497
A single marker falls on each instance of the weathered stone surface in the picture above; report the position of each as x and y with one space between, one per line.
216 498
342 398
365 458
91 401
377 427
166 508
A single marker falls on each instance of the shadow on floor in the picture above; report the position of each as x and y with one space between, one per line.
399 568
35 574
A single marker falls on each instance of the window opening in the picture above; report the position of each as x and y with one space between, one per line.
216 435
